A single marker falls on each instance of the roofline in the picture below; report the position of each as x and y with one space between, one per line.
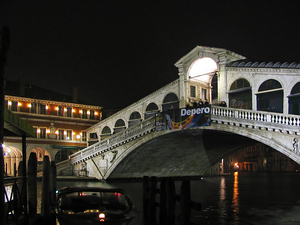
18 98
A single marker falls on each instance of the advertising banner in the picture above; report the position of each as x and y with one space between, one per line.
184 118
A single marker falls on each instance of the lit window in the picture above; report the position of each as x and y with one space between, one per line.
69 134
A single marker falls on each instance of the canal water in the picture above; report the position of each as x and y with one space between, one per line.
237 199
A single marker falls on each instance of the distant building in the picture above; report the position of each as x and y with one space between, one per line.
60 123
259 158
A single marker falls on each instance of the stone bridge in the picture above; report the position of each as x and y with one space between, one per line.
263 105
141 150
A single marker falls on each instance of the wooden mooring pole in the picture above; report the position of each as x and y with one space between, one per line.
167 202
46 196
32 188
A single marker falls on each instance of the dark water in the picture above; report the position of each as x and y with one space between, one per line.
254 198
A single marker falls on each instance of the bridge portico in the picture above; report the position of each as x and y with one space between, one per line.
260 97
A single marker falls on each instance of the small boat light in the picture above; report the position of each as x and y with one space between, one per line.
102 217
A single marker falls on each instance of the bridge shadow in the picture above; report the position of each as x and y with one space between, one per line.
189 152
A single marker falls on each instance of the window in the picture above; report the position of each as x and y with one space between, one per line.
69 134
42 109
61 134
83 136
43 132
84 114
59 110
14 106
204 94
33 107
69 112
35 131
92 114
193 91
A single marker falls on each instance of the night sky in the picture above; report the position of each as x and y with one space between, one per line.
117 52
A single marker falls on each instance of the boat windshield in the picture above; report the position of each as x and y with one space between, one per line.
91 200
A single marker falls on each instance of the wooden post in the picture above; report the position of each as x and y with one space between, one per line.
20 174
3 51
15 170
53 182
163 202
185 202
32 187
171 202
152 199
146 198
45 206
24 174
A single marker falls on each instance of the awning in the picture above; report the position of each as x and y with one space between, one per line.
15 126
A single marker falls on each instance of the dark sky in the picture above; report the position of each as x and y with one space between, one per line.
117 52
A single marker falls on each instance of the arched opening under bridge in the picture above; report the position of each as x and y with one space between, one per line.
184 153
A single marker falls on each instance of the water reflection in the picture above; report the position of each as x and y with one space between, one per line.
222 202
235 204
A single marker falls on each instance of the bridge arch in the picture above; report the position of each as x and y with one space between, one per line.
170 101
294 100
270 96
192 151
151 110
106 132
240 94
202 69
12 158
119 125
40 153
134 118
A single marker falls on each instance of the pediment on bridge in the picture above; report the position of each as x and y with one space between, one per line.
220 55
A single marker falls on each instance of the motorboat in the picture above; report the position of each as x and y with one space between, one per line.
94 205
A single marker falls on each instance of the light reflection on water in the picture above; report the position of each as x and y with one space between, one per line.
235 199
222 202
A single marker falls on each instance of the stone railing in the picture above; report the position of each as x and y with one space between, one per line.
63 164
256 119
107 144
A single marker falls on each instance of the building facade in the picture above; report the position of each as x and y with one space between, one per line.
60 128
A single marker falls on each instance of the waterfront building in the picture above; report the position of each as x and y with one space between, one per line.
259 158
60 123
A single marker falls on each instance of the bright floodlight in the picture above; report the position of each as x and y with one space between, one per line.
203 69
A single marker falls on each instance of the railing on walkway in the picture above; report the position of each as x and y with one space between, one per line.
256 119
137 130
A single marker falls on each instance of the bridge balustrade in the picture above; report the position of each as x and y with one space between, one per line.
140 129
256 119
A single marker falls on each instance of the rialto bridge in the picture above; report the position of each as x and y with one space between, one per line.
263 104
